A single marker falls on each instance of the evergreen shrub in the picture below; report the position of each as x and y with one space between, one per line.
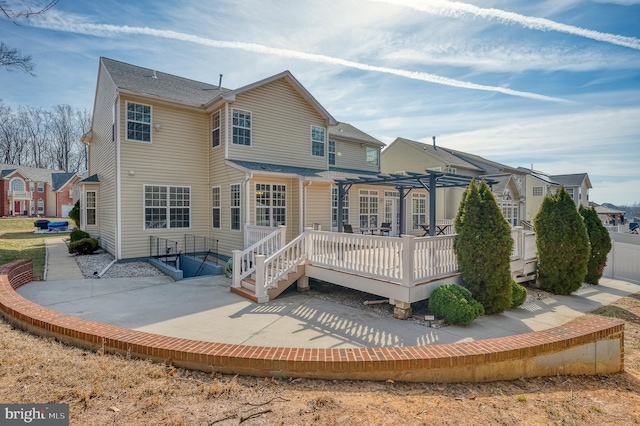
77 235
483 248
454 304
74 213
563 244
600 243
518 294
84 246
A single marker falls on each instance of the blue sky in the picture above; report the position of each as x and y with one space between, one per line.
552 83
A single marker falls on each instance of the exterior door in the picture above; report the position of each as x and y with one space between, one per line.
391 212
16 208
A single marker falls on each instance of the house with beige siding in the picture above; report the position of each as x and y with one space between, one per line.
169 156
405 155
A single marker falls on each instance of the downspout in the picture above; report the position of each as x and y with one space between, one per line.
247 198
118 236
303 207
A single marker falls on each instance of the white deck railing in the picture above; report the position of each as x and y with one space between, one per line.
244 261
269 270
405 261
255 233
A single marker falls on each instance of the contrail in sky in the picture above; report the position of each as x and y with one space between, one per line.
105 30
457 9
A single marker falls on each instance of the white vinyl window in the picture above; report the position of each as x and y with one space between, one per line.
373 156
40 186
40 205
419 210
91 207
167 207
241 121
570 192
537 191
368 208
271 204
334 208
452 170
235 206
332 153
215 207
215 129
17 185
317 141
138 122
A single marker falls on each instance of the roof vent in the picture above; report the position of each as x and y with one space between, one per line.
154 74
220 82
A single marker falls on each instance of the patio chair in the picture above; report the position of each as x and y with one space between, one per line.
347 228
385 228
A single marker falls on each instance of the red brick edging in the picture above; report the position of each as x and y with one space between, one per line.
591 346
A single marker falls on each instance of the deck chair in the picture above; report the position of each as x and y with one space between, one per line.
347 228
385 228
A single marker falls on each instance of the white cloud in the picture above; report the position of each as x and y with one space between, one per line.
459 9
64 23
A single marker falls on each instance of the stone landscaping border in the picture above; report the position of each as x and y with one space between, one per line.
591 346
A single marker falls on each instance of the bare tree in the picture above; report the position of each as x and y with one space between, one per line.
10 137
36 124
11 58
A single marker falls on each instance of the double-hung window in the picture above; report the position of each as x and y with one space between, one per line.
334 208
332 153
419 210
215 129
241 121
373 156
91 207
537 191
215 207
235 206
138 122
368 208
271 204
40 186
167 207
317 141
40 206
570 192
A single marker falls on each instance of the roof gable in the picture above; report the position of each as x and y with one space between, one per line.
347 131
289 78
440 153
59 180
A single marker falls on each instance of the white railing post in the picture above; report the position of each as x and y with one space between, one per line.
283 236
308 242
236 266
407 260
261 291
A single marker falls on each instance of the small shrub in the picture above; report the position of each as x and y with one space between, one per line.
518 294
77 235
84 246
74 213
455 304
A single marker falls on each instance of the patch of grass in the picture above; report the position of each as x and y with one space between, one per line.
17 241
522 398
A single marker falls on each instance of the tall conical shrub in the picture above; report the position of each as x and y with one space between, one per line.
563 244
483 248
600 242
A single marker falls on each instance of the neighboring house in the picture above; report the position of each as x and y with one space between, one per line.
31 191
170 156
404 155
577 185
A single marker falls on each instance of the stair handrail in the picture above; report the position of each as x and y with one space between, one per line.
244 261
280 263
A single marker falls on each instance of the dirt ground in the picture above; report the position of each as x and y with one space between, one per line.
106 389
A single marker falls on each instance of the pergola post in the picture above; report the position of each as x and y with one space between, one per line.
432 204
402 223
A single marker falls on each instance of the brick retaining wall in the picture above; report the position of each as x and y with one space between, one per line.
591 346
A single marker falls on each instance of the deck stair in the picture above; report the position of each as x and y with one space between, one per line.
248 285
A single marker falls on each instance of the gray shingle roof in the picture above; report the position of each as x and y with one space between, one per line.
31 173
347 131
58 180
570 180
166 86
441 153
91 179
490 167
